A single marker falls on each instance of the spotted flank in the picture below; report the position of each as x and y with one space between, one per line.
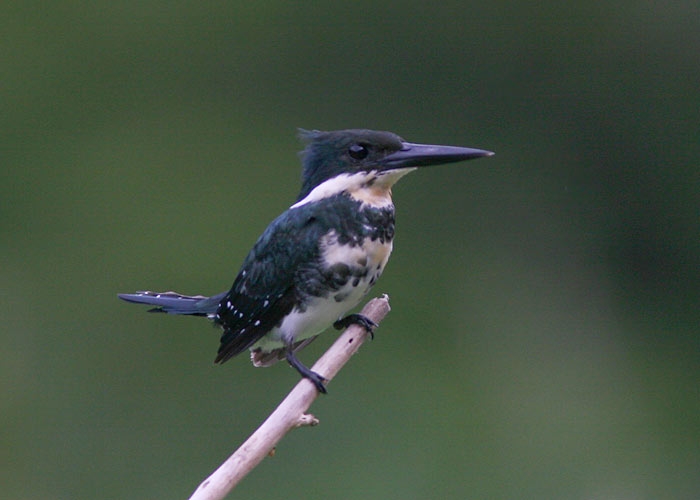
350 271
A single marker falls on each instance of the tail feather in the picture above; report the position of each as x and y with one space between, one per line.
175 303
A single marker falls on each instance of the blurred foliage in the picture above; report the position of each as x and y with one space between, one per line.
544 335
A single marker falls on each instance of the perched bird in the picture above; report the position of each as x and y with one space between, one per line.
318 259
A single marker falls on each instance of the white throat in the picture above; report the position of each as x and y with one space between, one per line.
371 188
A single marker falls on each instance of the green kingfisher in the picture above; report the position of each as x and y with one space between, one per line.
318 259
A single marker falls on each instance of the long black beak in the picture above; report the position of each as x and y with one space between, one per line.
423 155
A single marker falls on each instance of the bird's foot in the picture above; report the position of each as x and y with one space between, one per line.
317 379
356 319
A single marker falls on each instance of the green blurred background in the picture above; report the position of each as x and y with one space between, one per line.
544 338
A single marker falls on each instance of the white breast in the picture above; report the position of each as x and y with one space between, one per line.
367 259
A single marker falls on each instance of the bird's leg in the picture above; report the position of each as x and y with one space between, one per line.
305 372
356 319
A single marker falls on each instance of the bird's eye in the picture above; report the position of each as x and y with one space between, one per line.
358 152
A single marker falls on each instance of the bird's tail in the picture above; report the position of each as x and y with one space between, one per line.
175 303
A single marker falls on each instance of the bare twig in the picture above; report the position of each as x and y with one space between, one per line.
291 412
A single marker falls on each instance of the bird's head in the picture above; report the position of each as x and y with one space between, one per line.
348 152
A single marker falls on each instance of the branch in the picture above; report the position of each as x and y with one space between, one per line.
291 412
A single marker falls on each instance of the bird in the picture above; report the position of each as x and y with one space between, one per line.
320 257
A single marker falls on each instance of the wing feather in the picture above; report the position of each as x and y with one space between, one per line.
264 291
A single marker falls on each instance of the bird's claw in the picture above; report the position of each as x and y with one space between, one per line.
356 319
317 379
